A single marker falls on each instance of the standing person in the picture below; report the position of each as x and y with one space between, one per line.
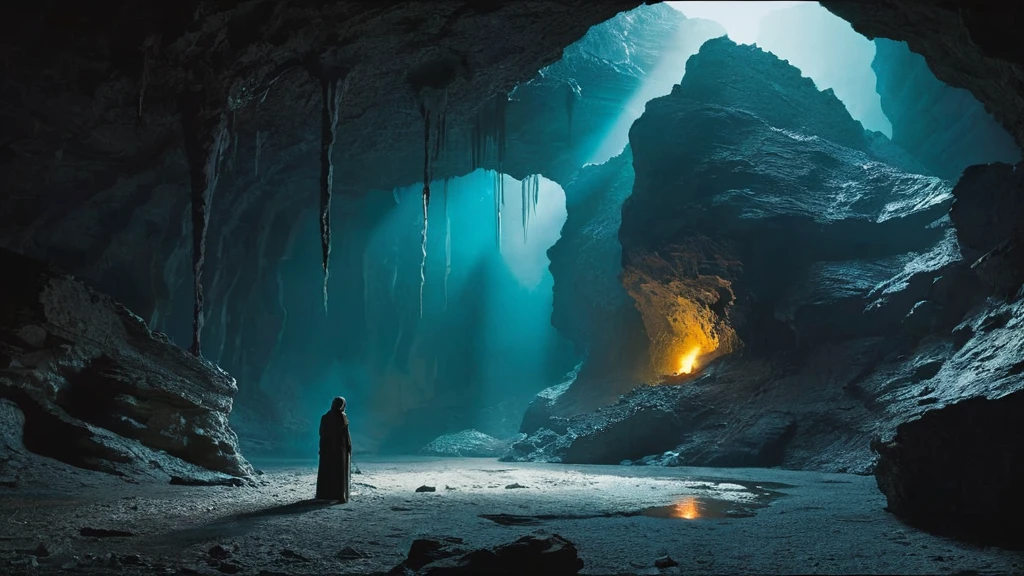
332 479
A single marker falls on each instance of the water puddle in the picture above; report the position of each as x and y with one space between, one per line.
718 500
705 499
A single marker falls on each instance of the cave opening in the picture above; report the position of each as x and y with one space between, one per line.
580 272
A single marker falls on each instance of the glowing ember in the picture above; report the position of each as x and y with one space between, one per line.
686 508
689 361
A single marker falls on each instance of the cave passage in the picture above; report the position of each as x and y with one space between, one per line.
482 348
609 287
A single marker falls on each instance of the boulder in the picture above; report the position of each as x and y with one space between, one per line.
99 390
958 470
552 555
467 443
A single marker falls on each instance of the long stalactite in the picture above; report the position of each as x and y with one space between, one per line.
206 134
426 202
331 104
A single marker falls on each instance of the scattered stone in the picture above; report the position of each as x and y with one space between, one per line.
229 568
293 555
219 552
665 561
449 488
426 488
550 555
514 486
350 553
104 533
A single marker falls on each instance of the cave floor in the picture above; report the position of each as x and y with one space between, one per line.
621 519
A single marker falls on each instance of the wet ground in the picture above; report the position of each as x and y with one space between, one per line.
710 521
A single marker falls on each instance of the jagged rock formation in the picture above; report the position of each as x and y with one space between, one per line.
551 554
943 127
590 307
467 443
780 180
977 442
799 244
96 389
827 50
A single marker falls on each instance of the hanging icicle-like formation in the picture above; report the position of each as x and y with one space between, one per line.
439 110
530 194
331 104
426 201
447 244
207 135
488 144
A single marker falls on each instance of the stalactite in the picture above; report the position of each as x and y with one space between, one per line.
426 201
571 94
447 244
259 150
206 138
234 143
331 104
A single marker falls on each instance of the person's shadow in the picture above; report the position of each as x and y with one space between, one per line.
239 524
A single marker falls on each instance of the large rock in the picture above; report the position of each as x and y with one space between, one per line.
988 215
945 128
959 470
528 555
99 390
779 202
828 275
467 443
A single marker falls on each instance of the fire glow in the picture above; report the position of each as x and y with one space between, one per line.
688 363
687 508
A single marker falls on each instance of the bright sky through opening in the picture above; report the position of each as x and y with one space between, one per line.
740 19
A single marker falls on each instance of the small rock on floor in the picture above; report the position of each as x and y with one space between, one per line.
513 486
665 561
350 553
426 488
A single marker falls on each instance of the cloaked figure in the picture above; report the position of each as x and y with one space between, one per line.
332 479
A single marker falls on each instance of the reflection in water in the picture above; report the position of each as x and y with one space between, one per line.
686 508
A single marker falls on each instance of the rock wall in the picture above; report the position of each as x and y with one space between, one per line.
849 302
943 127
780 179
590 307
969 45
98 390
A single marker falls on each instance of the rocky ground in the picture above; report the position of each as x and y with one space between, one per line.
621 520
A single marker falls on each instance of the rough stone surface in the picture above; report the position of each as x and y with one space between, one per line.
780 198
99 390
853 301
467 443
945 128
958 470
528 555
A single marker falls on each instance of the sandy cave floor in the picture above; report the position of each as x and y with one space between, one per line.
620 518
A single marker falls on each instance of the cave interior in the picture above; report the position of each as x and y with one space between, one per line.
610 287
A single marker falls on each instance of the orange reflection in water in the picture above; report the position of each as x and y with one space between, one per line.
686 508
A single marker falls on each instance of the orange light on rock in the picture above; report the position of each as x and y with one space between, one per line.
688 363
